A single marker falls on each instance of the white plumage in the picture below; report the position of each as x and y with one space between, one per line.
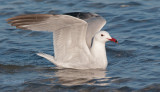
72 35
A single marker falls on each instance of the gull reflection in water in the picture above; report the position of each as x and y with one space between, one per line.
70 77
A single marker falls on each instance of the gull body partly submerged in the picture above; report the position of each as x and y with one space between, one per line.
78 41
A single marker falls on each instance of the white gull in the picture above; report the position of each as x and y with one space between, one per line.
78 41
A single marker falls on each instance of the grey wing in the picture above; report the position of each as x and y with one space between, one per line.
69 32
95 23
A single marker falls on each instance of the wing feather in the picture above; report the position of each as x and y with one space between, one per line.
43 22
95 23
68 32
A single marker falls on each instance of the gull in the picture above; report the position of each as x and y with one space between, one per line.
77 40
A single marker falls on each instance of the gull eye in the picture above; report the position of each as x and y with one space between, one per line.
102 35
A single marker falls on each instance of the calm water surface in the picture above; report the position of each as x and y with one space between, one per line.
134 64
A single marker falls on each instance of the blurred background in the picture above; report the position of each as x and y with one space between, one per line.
134 63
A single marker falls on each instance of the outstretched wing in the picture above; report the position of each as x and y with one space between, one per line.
69 32
95 23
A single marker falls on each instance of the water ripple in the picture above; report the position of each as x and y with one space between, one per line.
133 63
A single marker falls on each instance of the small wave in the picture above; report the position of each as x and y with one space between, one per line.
120 53
11 29
139 20
54 12
149 60
153 9
150 88
36 34
12 68
118 19
16 50
121 80
3 40
96 5
39 0
122 5
132 4
156 47
7 13
5 9
79 88
18 3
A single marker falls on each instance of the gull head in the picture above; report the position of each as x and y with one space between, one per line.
104 36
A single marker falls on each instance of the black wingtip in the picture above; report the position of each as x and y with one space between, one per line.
82 15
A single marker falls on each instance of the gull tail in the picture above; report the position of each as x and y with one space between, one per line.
48 57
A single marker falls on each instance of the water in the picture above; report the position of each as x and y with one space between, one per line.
133 63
